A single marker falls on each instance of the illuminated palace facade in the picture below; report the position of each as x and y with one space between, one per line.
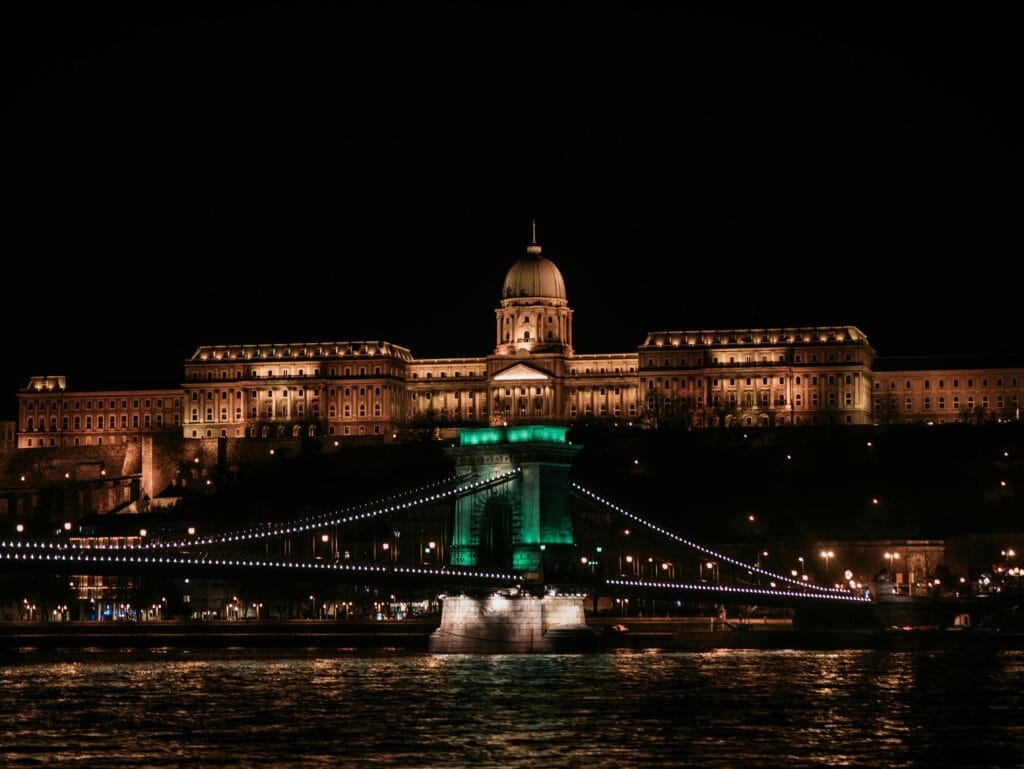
700 378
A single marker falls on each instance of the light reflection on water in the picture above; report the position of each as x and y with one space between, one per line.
722 708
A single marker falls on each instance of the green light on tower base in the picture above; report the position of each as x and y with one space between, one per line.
484 436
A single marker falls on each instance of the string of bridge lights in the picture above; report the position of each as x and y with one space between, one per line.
701 548
300 525
297 528
27 554
294 527
730 590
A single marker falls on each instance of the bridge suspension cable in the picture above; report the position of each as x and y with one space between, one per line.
731 590
462 487
752 568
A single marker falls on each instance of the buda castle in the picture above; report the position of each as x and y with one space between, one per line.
338 390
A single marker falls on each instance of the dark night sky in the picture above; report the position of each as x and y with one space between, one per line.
272 174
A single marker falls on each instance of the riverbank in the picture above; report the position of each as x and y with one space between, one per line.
676 634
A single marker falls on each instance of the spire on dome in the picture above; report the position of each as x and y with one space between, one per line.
533 249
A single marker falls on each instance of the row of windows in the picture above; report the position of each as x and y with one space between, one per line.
299 412
147 403
907 384
602 370
831 379
287 373
471 394
102 422
282 431
254 394
716 360
429 395
765 401
444 374
926 402
77 441
588 410
526 319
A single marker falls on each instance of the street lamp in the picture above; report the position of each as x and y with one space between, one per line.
827 555
892 558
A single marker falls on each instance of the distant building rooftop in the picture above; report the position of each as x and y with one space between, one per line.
729 336
928 362
299 350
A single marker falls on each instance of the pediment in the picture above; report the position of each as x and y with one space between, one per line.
518 373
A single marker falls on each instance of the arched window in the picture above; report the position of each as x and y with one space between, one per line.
526 336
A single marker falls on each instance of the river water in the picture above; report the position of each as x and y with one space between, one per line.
641 709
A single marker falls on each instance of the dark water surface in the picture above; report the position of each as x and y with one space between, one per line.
657 709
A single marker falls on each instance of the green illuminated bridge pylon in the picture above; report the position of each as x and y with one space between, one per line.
524 524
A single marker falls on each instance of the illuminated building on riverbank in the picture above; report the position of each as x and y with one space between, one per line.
810 375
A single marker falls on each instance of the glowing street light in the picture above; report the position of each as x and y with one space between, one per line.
892 558
827 555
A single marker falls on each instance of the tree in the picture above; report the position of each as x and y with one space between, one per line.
422 427
724 413
972 415
660 411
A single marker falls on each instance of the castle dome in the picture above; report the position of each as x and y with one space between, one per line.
534 276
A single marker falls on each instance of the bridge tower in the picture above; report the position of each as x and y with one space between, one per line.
524 525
